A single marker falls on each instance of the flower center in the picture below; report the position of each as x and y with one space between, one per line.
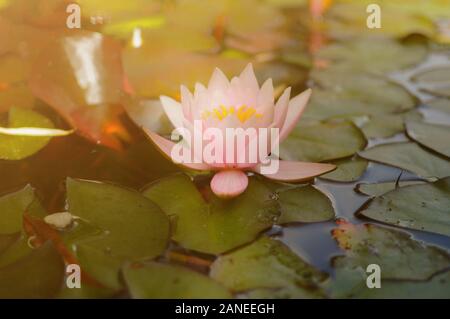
243 113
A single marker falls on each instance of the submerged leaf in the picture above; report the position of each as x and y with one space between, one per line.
218 225
80 76
423 207
165 281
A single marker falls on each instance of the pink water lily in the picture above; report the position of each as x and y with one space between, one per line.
239 103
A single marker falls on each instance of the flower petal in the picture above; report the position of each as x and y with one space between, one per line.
295 110
174 111
165 146
291 171
218 81
186 102
248 78
281 108
229 183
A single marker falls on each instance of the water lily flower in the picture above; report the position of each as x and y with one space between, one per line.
239 103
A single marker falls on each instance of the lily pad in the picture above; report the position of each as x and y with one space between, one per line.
165 281
218 225
304 204
378 189
399 256
19 147
440 104
432 136
269 265
348 170
12 207
345 93
351 283
133 226
38 275
423 207
435 75
386 125
322 142
409 156
374 54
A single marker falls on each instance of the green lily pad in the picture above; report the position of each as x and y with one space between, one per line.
432 136
409 156
304 204
38 275
19 147
218 225
435 75
99 265
322 142
348 170
165 281
441 91
437 287
12 207
345 92
399 256
378 189
440 104
269 265
377 55
351 283
349 19
386 125
133 226
423 207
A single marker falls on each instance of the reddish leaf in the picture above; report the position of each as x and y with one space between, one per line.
80 75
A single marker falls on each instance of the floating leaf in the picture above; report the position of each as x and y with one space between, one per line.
435 75
218 225
354 92
386 125
345 20
165 281
304 204
12 208
133 226
440 104
433 136
409 156
19 147
38 275
423 207
378 189
348 170
268 264
399 256
322 142
374 54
